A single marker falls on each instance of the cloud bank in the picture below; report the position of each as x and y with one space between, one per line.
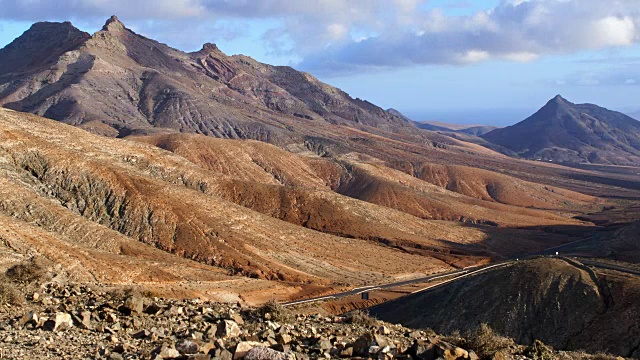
332 36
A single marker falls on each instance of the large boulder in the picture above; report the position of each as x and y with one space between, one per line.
133 304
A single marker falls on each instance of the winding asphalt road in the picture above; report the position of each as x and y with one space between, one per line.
462 273
457 273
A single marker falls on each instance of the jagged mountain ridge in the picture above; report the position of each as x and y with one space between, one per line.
579 133
116 82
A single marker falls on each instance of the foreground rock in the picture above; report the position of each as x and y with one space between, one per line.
78 322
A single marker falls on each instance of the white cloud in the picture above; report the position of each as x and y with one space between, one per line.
521 56
613 31
339 35
473 56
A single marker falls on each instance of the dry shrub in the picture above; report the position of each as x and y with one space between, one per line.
9 293
276 311
604 356
581 355
484 341
539 351
26 273
361 318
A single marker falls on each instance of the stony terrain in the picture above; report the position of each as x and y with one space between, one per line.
73 321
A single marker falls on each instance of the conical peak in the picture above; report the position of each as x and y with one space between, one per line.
113 24
559 101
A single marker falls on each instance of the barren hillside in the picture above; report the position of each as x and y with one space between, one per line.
567 306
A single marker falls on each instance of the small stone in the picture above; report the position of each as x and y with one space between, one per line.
153 309
237 318
228 328
381 341
450 352
143 334
273 325
199 357
224 355
263 353
111 317
362 344
62 321
283 339
136 322
206 347
347 352
168 353
383 330
324 344
243 347
29 318
187 347
85 320
115 356
423 350
473 355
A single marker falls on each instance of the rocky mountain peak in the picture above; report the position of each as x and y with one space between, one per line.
558 101
209 47
113 24
46 34
42 42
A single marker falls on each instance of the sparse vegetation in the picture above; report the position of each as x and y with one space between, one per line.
361 318
26 273
539 351
9 293
275 311
483 340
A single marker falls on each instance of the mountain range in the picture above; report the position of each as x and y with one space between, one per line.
116 83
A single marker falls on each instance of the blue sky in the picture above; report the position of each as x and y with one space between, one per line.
488 61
